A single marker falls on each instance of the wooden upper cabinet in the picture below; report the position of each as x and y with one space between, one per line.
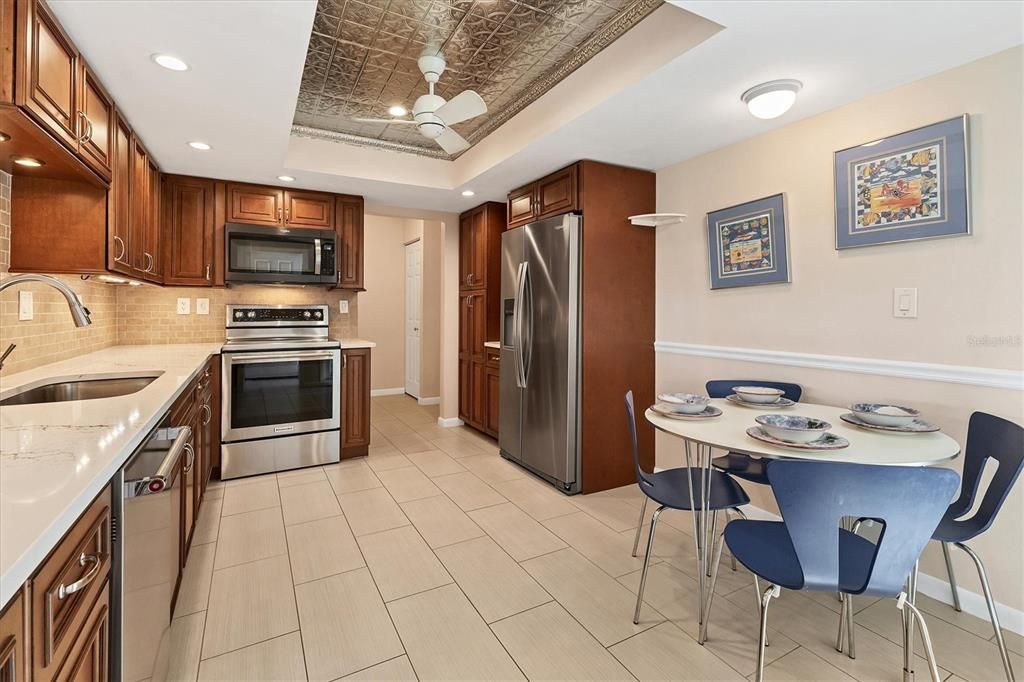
349 251
95 124
521 206
187 230
118 199
478 271
7 31
557 193
153 241
139 209
48 72
255 205
308 209
465 250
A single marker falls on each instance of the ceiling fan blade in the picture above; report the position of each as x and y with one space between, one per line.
451 141
463 106
383 120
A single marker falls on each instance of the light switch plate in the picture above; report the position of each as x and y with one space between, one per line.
184 306
343 306
202 306
904 302
24 305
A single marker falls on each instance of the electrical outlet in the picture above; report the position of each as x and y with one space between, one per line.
24 305
343 307
202 306
184 306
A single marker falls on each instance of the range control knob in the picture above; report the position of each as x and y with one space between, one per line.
318 315
238 314
251 314
306 314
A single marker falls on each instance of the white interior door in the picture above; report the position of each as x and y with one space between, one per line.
413 315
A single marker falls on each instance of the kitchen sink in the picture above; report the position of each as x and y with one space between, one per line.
81 387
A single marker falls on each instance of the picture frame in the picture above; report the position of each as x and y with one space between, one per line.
907 187
748 244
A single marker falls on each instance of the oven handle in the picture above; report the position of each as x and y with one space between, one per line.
260 358
316 256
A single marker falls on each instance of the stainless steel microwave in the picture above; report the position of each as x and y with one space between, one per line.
282 255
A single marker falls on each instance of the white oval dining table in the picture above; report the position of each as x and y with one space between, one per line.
729 432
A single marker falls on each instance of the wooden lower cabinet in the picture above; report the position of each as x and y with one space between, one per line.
90 659
14 649
492 389
355 402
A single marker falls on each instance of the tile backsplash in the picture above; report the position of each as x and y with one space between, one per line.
129 315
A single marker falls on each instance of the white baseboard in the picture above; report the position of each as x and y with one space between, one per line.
436 400
449 422
387 391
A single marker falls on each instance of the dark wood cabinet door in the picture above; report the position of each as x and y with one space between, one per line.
152 248
188 484
48 72
521 209
95 123
7 32
141 259
215 397
355 402
89 660
187 230
479 326
493 390
255 205
472 323
466 390
478 393
465 249
349 250
478 269
119 218
557 193
13 641
308 209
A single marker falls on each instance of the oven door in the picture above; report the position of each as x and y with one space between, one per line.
280 393
279 256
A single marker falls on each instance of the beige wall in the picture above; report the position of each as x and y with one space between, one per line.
383 302
430 342
840 302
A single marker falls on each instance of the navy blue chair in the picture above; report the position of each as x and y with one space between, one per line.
809 550
743 466
671 489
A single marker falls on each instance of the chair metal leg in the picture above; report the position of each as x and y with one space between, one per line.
714 531
703 632
647 562
910 597
640 525
990 602
933 668
952 576
771 591
841 635
851 647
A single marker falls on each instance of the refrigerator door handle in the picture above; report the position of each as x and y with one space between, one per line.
527 323
517 325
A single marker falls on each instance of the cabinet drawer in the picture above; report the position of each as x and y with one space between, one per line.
66 586
493 357
89 660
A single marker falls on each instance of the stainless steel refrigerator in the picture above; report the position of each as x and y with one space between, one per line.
540 348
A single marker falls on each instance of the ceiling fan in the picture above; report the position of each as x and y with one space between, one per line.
434 116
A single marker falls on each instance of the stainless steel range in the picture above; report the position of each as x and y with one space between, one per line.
281 390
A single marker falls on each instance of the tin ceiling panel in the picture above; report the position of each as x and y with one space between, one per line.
362 59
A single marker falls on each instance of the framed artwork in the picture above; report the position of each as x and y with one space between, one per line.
747 244
915 185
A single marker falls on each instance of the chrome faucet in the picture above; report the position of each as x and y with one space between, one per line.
79 313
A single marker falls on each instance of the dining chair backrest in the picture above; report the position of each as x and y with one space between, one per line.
988 437
641 476
815 496
720 388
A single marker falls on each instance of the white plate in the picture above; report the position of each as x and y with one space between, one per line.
709 412
830 442
783 402
916 426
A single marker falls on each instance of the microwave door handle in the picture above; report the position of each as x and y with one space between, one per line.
316 256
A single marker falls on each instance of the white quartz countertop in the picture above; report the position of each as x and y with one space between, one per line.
55 458
496 345
356 343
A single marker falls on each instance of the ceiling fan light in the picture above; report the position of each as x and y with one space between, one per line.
771 99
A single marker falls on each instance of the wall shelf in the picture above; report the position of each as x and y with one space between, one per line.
657 219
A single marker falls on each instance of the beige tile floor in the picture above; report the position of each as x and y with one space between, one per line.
434 558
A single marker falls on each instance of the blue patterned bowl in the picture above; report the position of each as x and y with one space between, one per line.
793 428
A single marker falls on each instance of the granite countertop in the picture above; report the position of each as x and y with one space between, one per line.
356 343
55 458
496 345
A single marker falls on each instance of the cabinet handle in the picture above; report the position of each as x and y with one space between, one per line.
84 559
209 414
119 241
287 215
191 457
150 260
86 133
88 137
207 272
278 214
469 300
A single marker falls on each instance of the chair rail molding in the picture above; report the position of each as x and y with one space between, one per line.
1009 379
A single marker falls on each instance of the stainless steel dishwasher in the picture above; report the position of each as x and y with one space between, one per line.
147 546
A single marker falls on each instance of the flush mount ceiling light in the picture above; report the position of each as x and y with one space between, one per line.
397 110
201 146
170 62
771 99
468 192
285 178
28 162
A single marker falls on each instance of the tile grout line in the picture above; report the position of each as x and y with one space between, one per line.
291 578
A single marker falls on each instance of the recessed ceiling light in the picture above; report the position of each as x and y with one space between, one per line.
201 146
397 110
771 99
170 62
285 178
468 192
4 137
29 162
